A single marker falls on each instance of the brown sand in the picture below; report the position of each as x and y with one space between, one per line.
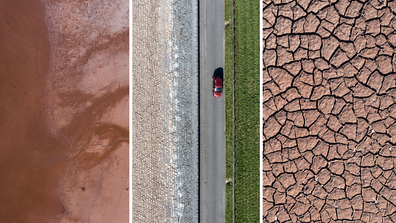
63 113
88 97
28 151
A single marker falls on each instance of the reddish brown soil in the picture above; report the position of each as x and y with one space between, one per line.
329 111
87 93
63 116
28 151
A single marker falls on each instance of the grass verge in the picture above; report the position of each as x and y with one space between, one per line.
228 106
247 110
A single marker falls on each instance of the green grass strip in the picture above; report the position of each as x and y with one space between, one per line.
228 215
247 110
228 107
228 88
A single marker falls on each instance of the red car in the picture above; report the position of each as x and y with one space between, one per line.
217 86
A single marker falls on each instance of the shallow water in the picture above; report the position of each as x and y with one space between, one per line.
28 150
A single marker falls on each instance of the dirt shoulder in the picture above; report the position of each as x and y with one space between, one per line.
329 96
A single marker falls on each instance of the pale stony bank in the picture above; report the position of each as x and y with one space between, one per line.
165 111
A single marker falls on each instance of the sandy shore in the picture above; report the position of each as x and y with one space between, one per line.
88 99
64 111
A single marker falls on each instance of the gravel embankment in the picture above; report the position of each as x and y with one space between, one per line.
165 111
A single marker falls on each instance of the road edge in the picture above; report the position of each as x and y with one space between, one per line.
201 77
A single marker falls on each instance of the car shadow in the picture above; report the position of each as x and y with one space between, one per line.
219 73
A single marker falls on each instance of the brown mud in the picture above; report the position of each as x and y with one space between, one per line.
63 111
29 154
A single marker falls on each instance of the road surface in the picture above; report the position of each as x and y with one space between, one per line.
212 115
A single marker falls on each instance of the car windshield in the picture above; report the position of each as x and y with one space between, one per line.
218 89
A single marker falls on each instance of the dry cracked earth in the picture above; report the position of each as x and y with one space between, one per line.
329 111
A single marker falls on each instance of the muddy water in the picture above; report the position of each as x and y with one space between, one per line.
29 154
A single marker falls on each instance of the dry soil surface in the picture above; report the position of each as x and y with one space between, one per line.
64 111
329 111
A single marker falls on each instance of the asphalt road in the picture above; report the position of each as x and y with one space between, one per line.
212 113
